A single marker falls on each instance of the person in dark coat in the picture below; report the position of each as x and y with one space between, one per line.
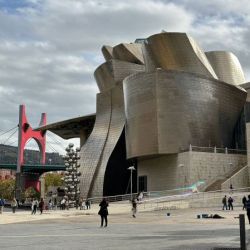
103 212
41 205
134 207
224 202
244 201
248 208
230 203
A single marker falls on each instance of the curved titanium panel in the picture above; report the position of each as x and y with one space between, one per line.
226 66
115 129
91 151
168 110
107 52
128 52
112 72
178 51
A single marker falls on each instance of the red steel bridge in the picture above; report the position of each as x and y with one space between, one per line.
27 175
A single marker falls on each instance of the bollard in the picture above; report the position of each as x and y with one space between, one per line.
242 232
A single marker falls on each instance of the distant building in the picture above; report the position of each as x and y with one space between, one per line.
8 155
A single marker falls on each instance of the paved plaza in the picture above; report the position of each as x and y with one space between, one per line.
75 229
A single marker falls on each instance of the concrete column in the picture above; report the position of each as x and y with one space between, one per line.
42 185
83 137
248 147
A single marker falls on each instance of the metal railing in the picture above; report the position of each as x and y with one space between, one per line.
214 150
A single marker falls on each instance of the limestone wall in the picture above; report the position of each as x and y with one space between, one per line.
185 169
239 180
248 147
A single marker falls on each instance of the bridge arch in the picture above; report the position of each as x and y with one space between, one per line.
25 133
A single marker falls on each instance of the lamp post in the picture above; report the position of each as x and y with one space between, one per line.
131 168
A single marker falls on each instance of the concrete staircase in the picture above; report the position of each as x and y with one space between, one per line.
216 185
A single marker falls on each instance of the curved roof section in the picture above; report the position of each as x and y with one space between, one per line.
107 52
128 52
226 66
71 128
110 73
178 51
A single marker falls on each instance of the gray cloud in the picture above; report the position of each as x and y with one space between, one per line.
49 49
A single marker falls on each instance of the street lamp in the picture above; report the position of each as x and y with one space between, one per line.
231 167
131 168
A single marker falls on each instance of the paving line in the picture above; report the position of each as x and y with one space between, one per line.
105 235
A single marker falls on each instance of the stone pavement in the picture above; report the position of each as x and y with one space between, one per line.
79 229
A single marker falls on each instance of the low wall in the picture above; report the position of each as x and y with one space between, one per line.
187 168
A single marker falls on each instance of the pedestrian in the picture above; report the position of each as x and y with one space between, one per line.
62 204
34 206
67 204
224 202
140 196
231 188
55 204
1 205
244 200
13 205
103 212
50 204
134 207
230 203
87 204
41 205
248 208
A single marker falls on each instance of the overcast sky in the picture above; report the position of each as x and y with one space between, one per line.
49 49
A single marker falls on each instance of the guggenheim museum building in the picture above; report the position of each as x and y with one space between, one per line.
176 113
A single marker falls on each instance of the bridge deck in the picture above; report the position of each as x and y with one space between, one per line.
36 168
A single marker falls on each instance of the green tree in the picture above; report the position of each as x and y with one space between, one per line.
7 188
53 180
31 193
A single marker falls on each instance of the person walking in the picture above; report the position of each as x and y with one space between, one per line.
244 200
13 205
33 206
1 205
224 202
41 205
50 204
87 204
248 208
134 207
230 203
103 212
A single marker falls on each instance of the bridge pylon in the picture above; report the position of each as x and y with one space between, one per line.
25 133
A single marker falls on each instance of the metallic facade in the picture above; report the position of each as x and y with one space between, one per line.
226 66
112 72
166 93
174 109
179 51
